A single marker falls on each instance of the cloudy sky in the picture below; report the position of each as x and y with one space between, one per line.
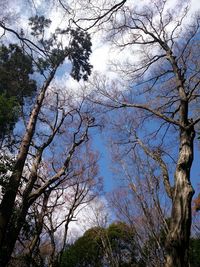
102 51
102 56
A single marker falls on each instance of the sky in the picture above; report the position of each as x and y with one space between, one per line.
101 57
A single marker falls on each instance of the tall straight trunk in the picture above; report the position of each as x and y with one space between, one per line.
14 231
7 206
177 242
11 235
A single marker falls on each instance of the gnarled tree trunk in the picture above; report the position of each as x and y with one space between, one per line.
177 243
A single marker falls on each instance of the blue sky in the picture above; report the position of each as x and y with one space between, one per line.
111 182
99 58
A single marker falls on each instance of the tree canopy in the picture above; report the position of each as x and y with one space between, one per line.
15 84
113 246
71 73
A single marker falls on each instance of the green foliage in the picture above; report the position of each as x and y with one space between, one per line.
79 54
195 252
15 85
16 67
38 25
121 238
15 70
89 250
85 252
77 51
9 112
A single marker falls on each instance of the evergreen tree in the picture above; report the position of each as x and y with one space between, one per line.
15 84
100 247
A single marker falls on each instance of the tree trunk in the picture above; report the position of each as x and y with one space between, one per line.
7 206
8 202
11 235
14 231
177 242
39 225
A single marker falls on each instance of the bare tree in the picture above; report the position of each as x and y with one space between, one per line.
56 208
77 193
141 202
26 178
163 74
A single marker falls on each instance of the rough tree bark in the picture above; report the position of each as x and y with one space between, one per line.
177 240
177 243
